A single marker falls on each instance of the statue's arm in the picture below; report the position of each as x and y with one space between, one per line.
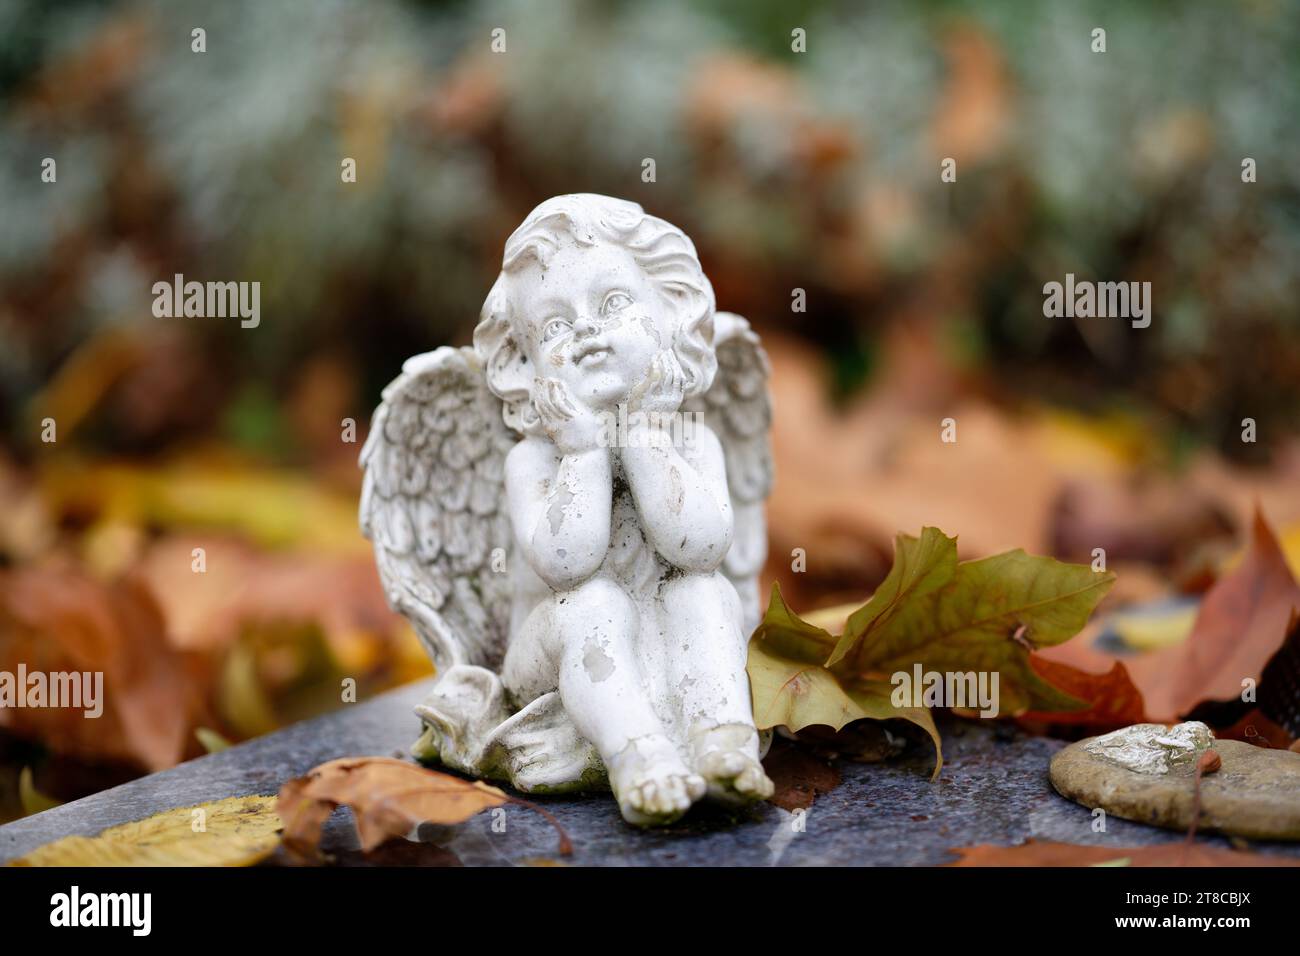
560 508
682 497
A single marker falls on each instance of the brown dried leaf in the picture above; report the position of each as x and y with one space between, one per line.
59 620
388 797
1048 853
799 776
1242 622
1153 520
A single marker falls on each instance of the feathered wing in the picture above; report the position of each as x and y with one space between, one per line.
432 502
739 410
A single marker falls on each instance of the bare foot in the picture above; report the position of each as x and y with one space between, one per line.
727 757
652 784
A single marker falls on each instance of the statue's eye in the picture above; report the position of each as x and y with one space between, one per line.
615 302
554 328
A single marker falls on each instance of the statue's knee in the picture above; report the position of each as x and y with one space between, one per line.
689 587
702 592
706 598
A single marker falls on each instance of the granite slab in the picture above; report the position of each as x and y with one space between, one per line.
994 788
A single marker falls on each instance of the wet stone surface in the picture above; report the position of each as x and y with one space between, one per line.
1255 793
994 788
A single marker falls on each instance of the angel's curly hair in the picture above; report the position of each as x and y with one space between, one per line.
661 249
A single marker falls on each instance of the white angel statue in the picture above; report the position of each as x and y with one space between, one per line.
571 515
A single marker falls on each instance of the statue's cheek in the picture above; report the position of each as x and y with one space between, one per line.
640 322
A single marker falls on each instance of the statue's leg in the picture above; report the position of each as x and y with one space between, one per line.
600 681
529 669
706 654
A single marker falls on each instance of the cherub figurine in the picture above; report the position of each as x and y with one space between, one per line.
570 514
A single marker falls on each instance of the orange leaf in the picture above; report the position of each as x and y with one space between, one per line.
1256 728
1113 699
1047 853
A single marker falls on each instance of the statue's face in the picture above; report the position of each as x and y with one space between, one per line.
593 320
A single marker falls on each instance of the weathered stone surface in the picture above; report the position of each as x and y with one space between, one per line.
993 789
1155 748
1255 794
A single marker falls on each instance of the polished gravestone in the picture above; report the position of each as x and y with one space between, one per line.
993 789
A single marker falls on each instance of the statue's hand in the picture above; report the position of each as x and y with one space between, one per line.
666 385
571 425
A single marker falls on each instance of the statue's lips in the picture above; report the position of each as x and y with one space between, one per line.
590 355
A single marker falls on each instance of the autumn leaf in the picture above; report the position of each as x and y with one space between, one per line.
31 799
790 685
237 831
1047 853
1158 521
942 615
1112 699
793 688
1256 727
212 741
1242 622
273 508
388 797
798 776
985 616
1274 720
921 565
1279 687
65 621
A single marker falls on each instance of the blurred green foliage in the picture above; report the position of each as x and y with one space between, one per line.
815 170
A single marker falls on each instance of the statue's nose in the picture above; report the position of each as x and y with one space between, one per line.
586 325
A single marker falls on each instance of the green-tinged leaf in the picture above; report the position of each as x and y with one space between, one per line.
794 693
875 699
790 635
792 688
932 615
921 566
988 617
32 800
212 741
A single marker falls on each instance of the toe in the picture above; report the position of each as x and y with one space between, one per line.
643 797
754 781
696 786
650 801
